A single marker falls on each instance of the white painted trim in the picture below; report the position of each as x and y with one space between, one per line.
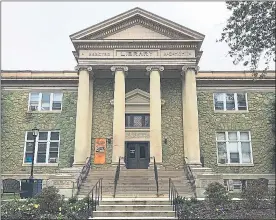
47 149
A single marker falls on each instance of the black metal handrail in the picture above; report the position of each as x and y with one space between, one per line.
173 196
156 176
84 172
117 176
94 197
189 175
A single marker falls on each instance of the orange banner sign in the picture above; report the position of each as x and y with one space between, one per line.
100 149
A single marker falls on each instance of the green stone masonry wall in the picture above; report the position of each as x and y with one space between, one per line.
256 120
172 123
16 121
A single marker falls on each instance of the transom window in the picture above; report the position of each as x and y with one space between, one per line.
234 147
230 101
46 147
45 101
137 120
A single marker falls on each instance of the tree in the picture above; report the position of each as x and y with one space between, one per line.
250 32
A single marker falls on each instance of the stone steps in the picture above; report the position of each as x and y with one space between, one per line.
134 208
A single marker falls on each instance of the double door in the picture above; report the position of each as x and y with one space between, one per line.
137 155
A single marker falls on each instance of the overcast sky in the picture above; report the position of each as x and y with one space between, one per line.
35 36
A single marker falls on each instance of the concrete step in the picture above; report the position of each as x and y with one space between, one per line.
131 207
134 218
135 201
120 213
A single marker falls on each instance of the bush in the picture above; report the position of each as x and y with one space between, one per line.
255 192
49 200
216 194
187 208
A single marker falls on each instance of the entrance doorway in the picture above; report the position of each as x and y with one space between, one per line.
137 155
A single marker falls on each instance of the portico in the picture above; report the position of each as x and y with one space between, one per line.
137 44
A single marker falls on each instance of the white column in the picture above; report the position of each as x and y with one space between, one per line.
82 147
190 117
155 112
119 113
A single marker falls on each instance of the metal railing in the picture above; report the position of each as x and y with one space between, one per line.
189 175
173 196
156 176
117 176
94 197
83 174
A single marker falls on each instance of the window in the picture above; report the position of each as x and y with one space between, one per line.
45 101
137 120
46 147
230 101
235 185
234 147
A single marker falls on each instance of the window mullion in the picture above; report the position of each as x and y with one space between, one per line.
48 147
51 100
236 101
39 101
224 101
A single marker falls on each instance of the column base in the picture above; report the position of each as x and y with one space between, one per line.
77 165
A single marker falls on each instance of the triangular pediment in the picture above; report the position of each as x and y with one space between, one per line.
137 32
137 97
137 24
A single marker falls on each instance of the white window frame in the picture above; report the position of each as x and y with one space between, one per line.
231 183
40 101
47 149
235 100
239 141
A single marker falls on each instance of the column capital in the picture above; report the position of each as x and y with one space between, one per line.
158 68
186 68
83 67
122 68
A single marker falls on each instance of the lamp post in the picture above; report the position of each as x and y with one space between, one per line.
35 134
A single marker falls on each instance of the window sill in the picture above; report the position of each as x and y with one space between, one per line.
44 112
231 111
137 129
236 165
40 164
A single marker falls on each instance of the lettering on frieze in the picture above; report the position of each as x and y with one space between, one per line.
137 53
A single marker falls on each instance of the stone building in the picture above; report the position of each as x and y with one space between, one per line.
137 95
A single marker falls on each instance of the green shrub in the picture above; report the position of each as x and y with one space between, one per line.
216 194
255 192
49 200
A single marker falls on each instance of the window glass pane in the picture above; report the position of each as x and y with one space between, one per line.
142 152
57 100
54 146
233 147
147 121
54 135
244 135
41 158
232 136
42 147
53 155
42 135
241 101
137 121
29 147
28 157
128 121
219 99
230 102
246 152
34 100
45 102
30 136
57 97
234 158
222 153
220 136
132 152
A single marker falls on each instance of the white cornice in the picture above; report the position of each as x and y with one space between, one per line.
142 14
